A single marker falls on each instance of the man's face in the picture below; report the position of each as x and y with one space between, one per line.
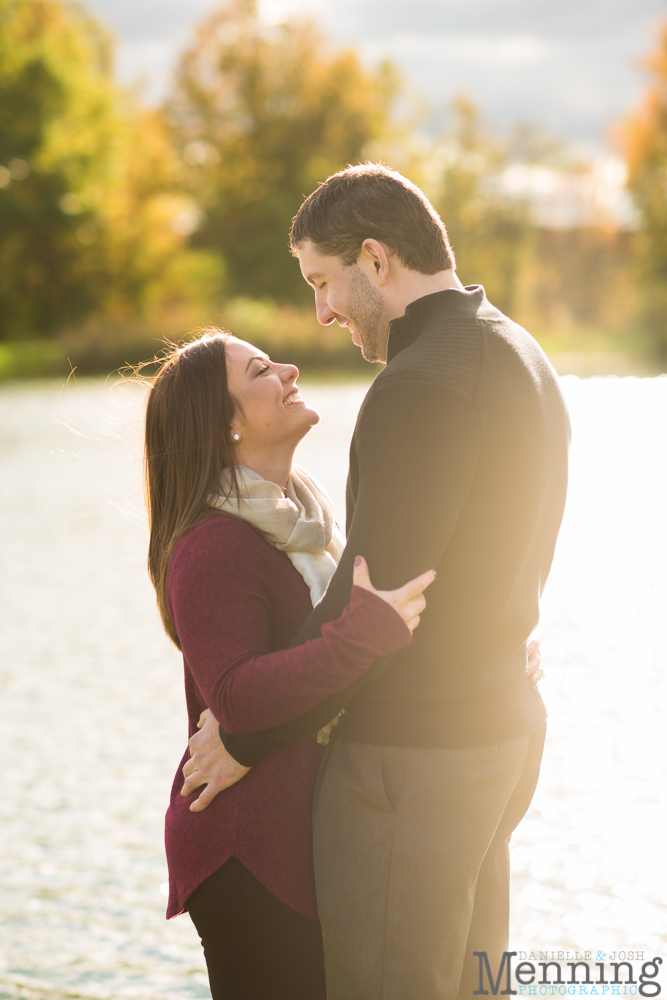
346 295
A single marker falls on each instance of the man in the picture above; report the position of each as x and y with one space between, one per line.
458 462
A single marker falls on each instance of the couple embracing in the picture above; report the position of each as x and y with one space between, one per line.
363 769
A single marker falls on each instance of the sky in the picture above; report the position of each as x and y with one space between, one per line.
571 66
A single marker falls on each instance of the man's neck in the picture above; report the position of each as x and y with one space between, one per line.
411 285
408 286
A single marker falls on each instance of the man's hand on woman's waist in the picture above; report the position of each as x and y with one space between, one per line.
210 764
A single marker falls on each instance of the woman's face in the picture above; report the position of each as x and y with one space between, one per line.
271 410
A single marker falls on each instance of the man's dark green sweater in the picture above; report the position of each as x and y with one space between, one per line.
459 463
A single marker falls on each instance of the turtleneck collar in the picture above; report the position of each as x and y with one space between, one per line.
444 305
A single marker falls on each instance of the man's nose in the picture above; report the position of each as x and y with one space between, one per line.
325 315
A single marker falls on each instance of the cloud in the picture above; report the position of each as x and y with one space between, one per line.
572 66
150 20
566 19
470 49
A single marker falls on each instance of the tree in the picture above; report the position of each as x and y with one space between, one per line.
90 205
261 115
489 231
646 151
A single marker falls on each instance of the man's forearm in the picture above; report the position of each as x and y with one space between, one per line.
249 748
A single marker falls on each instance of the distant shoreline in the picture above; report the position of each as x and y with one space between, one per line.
35 359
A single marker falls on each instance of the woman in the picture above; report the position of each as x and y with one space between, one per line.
241 547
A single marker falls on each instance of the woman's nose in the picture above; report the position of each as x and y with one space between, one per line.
289 372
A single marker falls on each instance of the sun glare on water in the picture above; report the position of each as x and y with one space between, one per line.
93 703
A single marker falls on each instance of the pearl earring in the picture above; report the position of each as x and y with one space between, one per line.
236 438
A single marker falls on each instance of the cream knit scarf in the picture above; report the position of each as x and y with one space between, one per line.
300 524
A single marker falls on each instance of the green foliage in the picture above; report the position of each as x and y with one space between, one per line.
261 116
580 278
290 333
56 99
646 148
121 226
489 231
32 359
564 284
89 186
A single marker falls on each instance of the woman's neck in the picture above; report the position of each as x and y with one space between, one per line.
274 467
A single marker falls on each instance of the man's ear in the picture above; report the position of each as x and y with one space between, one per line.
374 259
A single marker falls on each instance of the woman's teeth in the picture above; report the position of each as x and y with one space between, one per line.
294 397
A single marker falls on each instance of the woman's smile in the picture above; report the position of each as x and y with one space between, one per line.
272 413
292 397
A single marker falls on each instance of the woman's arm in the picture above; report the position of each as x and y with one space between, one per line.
220 604
212 765
411 493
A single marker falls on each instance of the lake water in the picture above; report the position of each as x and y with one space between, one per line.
93 722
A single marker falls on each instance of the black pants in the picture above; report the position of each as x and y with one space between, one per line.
256 947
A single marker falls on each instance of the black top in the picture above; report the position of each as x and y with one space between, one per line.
458 462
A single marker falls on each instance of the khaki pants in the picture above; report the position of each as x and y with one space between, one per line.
412 864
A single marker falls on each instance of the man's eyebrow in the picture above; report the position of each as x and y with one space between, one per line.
257 357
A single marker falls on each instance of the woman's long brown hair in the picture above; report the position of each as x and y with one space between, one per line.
188 443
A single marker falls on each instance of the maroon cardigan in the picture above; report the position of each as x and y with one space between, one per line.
237 602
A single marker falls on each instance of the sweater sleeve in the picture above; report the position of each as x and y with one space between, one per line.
222 612
416 448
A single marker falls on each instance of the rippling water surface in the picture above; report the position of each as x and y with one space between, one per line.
93 721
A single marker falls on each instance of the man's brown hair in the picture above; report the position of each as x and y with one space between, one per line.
371 201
